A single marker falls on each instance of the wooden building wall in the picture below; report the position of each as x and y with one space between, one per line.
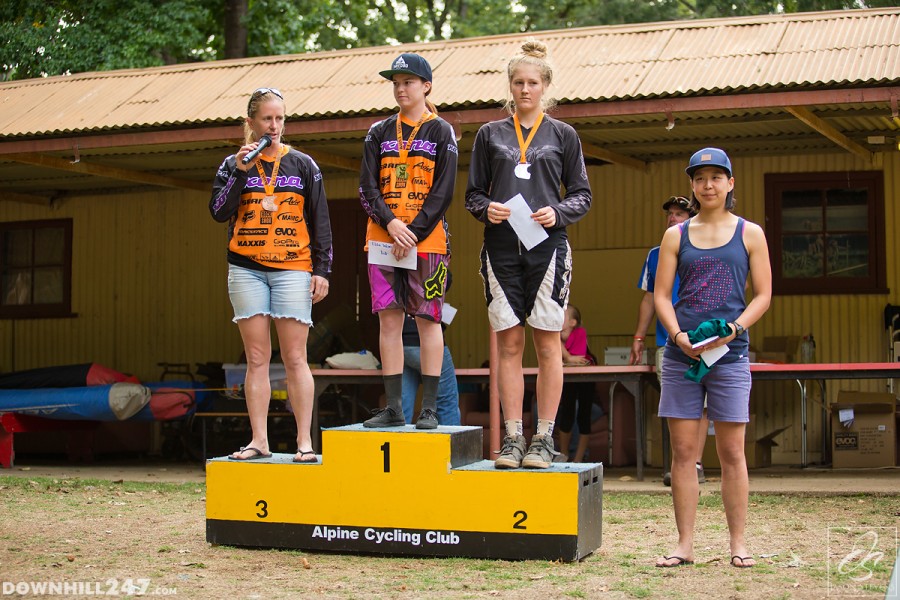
149 280
148 286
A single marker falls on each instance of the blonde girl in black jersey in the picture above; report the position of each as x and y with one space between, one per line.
531 154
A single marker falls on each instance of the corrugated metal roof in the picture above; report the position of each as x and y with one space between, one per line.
592 64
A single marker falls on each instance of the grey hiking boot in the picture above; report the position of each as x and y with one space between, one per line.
701 477
386 417
540 452
511 452
427 419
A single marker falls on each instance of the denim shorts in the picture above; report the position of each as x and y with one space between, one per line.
278 294
726 388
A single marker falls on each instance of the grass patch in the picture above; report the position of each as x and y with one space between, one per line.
89 530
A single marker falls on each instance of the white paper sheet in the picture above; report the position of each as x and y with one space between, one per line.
711 356
530 233
705 342
380 254
447 314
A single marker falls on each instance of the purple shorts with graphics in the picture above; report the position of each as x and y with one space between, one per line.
420 293
726 388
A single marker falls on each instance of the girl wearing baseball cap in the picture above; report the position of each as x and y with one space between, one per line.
713 255
529 154
406 185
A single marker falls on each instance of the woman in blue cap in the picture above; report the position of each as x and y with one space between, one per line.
713 254
406 185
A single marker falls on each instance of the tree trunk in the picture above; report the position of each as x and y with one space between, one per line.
236 28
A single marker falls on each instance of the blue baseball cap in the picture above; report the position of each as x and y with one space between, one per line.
709 157
410 63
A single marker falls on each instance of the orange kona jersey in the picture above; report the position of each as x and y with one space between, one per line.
295 236
422 197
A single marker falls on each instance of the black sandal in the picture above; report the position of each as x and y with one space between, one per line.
742 559
303 453
681 562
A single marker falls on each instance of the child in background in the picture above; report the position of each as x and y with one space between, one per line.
575 353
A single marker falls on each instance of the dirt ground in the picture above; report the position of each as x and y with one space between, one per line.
107 535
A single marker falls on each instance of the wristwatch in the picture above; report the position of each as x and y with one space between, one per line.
738 328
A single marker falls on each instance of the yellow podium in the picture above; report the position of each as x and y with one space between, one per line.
404 491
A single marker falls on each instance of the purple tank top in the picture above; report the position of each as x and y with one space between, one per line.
713 281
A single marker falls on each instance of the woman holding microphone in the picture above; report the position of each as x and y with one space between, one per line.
279 260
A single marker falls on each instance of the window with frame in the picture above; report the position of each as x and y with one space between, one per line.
826 232
36 269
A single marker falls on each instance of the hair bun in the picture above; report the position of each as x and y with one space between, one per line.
534 48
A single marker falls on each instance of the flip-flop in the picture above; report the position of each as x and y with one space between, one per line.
303 453
259 454
681 562
742 559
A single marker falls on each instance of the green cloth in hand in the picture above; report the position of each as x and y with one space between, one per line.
707 329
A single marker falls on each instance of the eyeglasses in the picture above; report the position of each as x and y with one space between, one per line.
679 200
262 92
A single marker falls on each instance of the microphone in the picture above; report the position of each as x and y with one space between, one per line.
264 142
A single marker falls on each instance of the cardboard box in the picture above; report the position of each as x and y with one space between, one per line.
620 355
863 430
781 349
772 357
757 448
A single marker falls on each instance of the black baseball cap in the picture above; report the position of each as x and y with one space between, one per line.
679 201
410 63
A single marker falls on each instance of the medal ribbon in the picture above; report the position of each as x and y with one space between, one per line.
402 148
269 185
523 143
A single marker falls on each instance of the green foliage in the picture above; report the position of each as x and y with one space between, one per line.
704 9
55 37
40 38
560 14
